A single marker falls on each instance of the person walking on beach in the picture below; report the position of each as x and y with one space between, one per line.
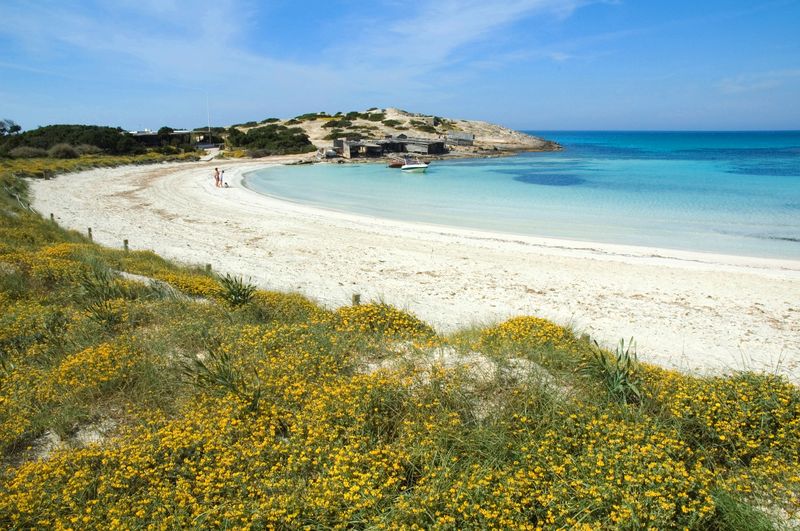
222 179
216 177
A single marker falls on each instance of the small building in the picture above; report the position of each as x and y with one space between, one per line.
352 149
425 146
458 138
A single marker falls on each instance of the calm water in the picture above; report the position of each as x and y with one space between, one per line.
732 193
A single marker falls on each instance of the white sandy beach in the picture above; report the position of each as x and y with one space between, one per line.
691 311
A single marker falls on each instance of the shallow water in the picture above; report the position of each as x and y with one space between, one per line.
731 193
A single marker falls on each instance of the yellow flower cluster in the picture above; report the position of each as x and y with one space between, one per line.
30 390
748 423
196 285
379 318
530 331
289 307
91 370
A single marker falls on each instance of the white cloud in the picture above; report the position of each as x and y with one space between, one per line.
203 46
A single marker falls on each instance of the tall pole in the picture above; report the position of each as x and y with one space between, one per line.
208 115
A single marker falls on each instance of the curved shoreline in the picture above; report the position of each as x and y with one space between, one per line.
688 310
596 249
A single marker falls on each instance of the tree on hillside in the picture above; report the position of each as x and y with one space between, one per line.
9 127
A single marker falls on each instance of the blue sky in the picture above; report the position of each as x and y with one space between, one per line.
527 64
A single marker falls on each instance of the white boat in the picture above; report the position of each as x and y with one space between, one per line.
414 167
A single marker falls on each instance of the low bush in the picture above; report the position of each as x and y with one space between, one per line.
63 151
236 291
337 123
88 149
26 152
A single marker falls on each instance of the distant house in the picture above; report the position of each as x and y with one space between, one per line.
458 138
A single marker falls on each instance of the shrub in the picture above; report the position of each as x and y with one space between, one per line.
380 319
258 153
529 331
338 123
349 135
88 149
310 116
422 126
236 291
26 152
63 151
619 374
273 139
391 123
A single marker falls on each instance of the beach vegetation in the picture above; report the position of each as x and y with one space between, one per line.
27 152
183 399
391 123
340 133
308 117
112 141
63 151
48 167
271 139
88 149
419 125
236 291
337 123
618 372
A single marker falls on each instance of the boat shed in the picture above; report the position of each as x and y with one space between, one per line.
425 146
357 149
406 144
458 138
351 149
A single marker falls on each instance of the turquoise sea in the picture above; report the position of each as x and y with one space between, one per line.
723 192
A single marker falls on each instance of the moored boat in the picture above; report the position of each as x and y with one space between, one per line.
416 166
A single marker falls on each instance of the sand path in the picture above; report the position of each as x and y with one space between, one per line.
687 310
